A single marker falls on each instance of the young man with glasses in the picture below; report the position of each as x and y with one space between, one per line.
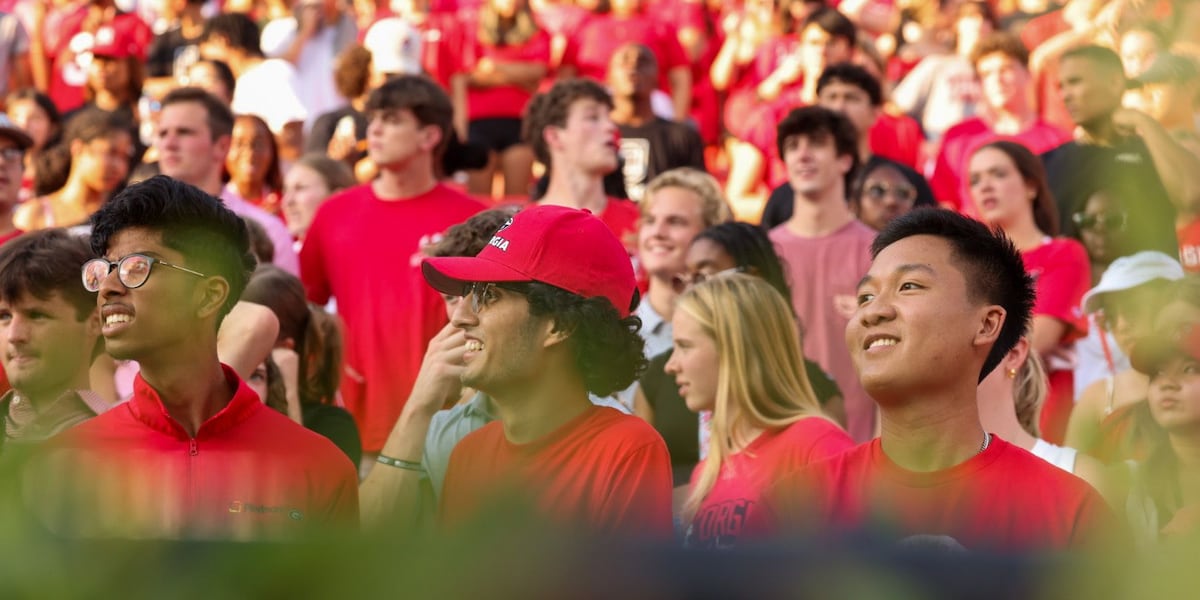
547 319
194 452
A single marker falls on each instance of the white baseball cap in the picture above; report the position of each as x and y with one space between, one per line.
395 46
1132 271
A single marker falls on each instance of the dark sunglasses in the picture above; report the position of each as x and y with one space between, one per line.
902 193
1102 221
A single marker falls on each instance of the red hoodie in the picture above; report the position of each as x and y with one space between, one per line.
248 473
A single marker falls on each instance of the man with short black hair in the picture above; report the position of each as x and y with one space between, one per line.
825 247
943 302
194 452
1123 144
546 314
650 144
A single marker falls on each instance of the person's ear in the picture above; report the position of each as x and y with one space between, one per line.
211 296
554 334
221 148
76 147
431 136
990 323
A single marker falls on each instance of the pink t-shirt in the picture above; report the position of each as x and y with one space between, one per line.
950 181
366 252
746 476
825 272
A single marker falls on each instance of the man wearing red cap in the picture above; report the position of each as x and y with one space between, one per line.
547 318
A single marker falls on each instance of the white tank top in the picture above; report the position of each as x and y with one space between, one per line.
1063 458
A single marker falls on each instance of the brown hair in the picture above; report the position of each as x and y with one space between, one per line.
421 96
471 236
352 71
335 173
551 109
316 334
1003 42
1045 210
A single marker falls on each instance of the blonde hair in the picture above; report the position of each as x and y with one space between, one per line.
761 381
1030 387
713 208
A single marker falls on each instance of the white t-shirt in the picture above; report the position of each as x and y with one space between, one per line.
314 66
268 90
1063 458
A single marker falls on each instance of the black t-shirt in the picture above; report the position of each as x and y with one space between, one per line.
1077 171
659 145
782 201
337 425
171 53
680 427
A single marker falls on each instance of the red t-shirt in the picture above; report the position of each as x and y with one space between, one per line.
604 470
1003 498
949 179
747 475
502 101
366 252
898 138
249 472
599 37
1062 274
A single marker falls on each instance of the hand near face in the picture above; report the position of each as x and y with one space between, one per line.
440 380
1128 120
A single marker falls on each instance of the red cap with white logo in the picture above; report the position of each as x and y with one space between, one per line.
563 247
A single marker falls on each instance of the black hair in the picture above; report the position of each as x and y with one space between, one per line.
222 71
750 249
1099 56
45 104
876 162
239 31
820 122
852 74
421 96
219 117
212 238
608 351
989 262
834 23
40 263
550 109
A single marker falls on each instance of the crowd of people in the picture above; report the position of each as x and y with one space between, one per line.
712 272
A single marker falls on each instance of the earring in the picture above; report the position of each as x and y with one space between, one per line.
1012 373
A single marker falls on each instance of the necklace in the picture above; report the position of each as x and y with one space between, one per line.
987 440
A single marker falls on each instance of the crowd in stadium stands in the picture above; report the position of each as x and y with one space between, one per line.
711 271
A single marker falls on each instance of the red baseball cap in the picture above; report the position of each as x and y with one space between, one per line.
563 247
122 38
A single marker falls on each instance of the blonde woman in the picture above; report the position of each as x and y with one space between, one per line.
737 353
1010 403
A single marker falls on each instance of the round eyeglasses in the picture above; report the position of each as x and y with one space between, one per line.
132 270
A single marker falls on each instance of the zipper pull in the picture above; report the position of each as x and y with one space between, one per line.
193 450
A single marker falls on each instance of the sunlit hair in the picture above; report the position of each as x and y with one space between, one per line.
761 381
1029 166
1030 388
713 208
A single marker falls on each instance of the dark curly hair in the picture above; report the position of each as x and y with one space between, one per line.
987 259
552 108
471 236
609 352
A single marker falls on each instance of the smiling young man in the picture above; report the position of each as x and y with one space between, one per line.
546 318
944 301
49 329
364 248
825 248
194 452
